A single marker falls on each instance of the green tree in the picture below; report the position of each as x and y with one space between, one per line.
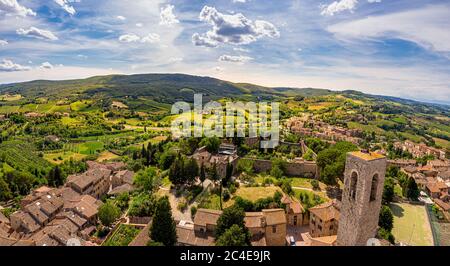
163 228
232 216
176 171
388 191
108 213
55 177
190 170
331 161
213 174
5 192
412 191
235 236
212 144
146 179
202 173
386 219
384 234
142 205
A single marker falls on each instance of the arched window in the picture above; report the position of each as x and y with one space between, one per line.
353 185
373 189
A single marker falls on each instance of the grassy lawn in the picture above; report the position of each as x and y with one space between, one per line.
10 98
122 236
256 193
106 156
90 147
411 224
211 201
60 157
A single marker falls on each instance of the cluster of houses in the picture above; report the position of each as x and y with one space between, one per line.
419 150
306 126
53 216
434 179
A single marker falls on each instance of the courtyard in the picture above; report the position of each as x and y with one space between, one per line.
411 225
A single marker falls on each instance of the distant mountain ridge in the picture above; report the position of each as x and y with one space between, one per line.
171 87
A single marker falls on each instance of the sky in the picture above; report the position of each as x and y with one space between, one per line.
387 47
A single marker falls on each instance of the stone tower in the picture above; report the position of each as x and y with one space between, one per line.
361 198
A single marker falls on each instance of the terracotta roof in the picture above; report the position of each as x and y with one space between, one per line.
326 211
254 219
444 175
126 176
3 218
142 238
186 236
286 199
296 207
36 212
436 187
444 205
121 189
205 216
27 221
274 216
75 218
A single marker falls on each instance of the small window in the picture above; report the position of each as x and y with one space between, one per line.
274 229
374 187
353 185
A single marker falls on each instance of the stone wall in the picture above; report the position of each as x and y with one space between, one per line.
300 168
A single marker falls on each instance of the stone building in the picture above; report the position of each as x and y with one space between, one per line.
361 198
324 219
267 228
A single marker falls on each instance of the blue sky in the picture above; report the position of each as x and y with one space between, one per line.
399 48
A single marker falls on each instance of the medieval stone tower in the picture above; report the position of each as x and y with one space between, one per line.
361 198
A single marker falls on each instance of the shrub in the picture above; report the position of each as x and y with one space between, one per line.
232 188
193 211
226 195
315 184
182 205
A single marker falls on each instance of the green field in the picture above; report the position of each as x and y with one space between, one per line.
122 236
411 225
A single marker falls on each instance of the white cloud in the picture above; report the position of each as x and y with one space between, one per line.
427 27
218 69
12 7
3 42
338 6
150 38
58 73
233 29
121 18
239 1
65 4
167 17
139 25
240 49
235 58
175 59
37 33
129 38
374 1
10 66
46 65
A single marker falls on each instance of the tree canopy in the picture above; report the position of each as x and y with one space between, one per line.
163 228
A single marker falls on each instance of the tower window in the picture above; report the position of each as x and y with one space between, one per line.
353 185
374 187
